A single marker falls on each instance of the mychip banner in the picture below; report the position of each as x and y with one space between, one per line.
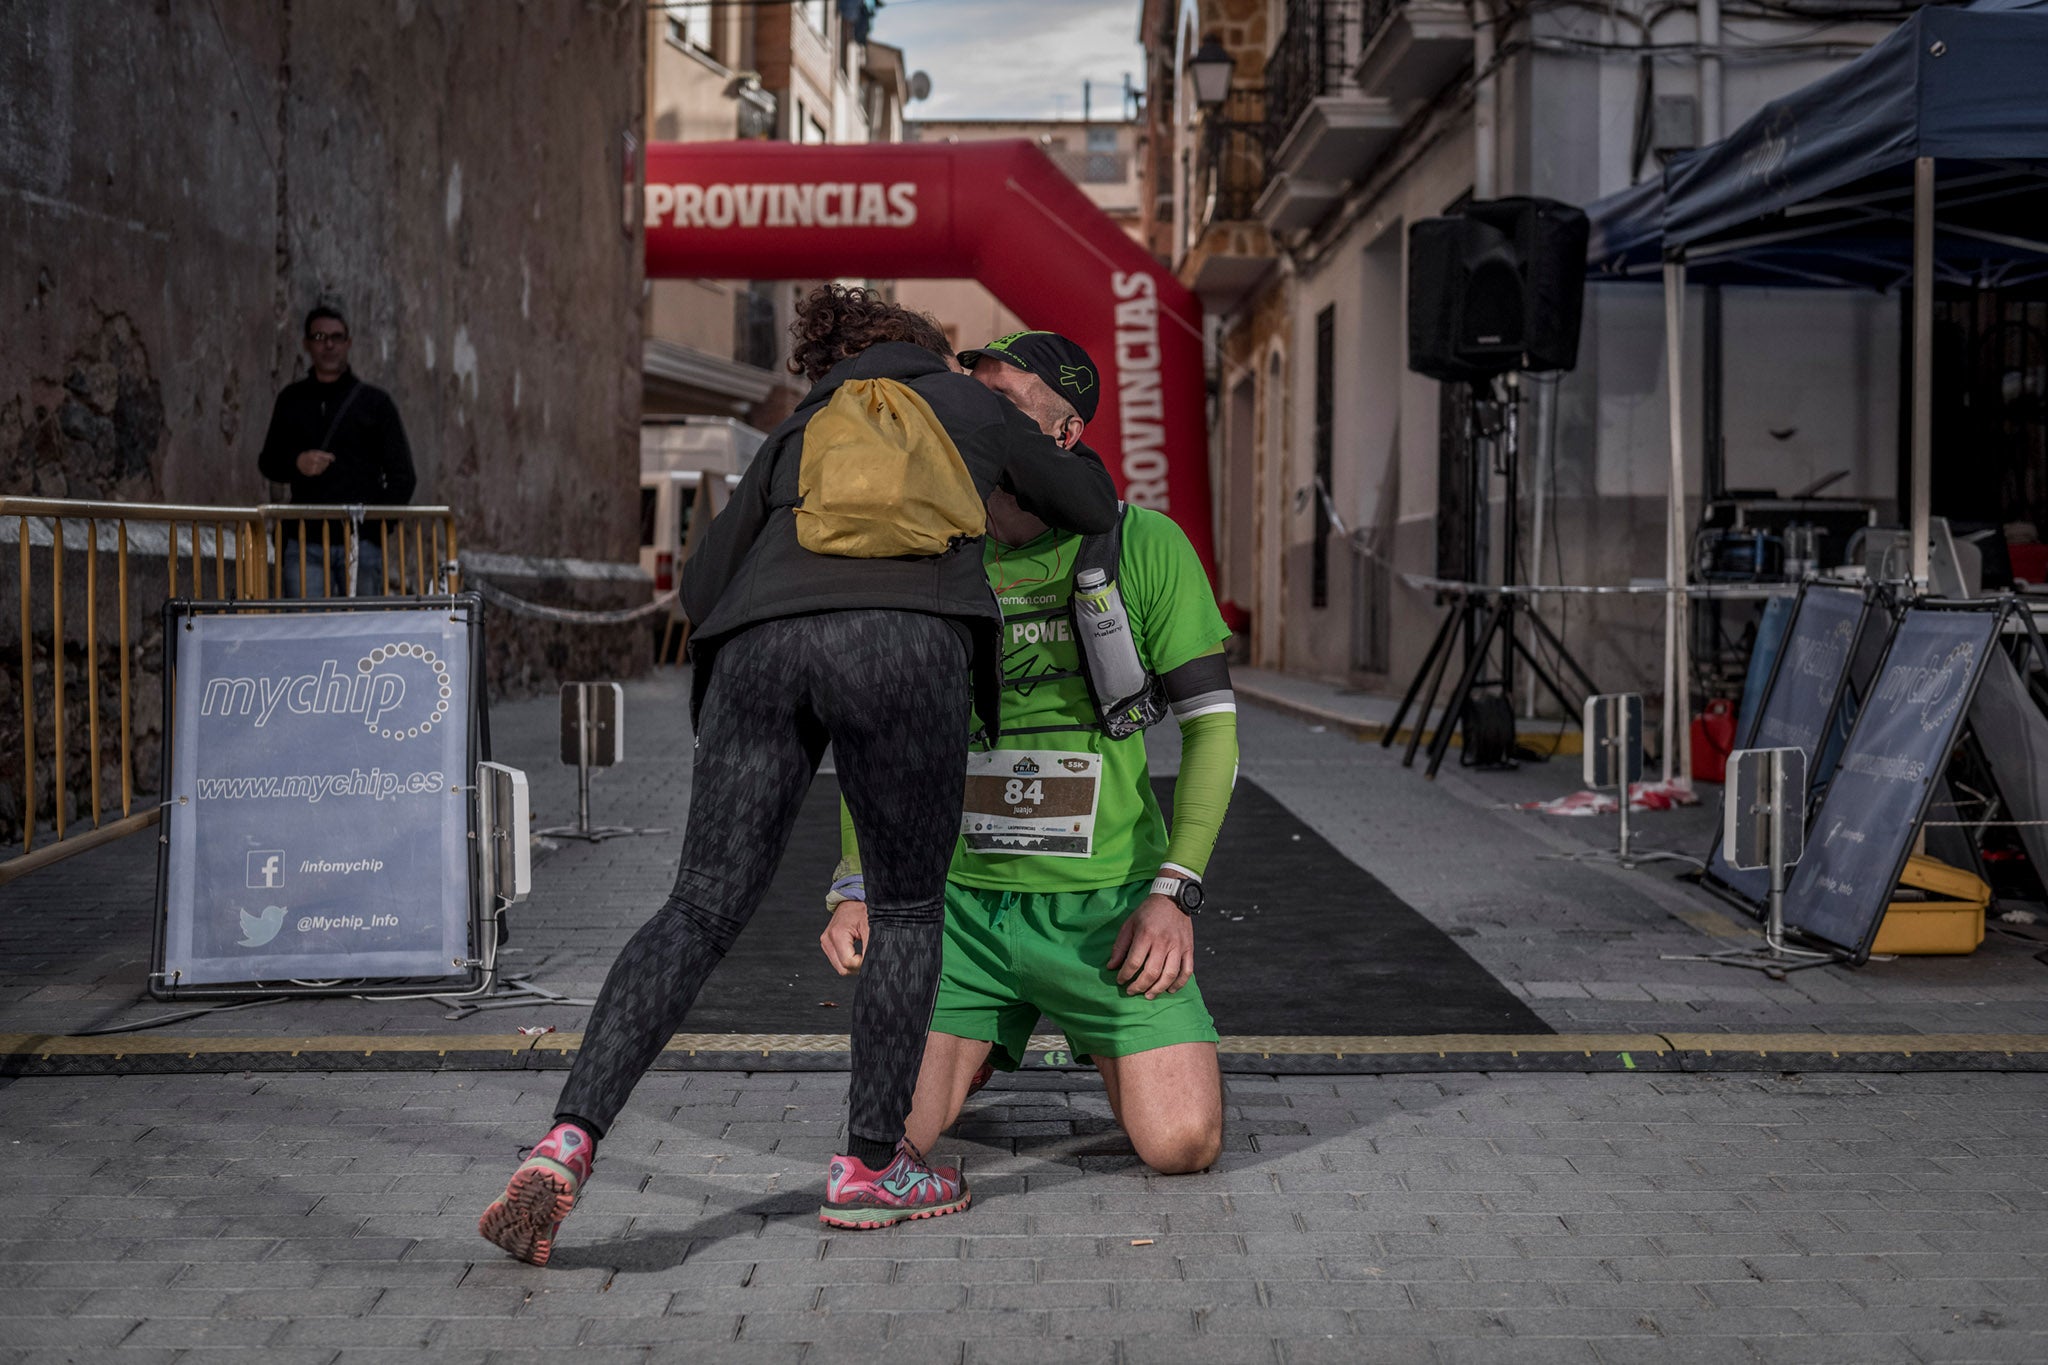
317 818
1799 708
1857 843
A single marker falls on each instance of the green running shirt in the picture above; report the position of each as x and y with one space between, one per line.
1173 619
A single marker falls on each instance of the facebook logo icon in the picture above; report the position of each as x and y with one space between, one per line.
266 868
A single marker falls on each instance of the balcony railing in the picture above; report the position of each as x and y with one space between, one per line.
1410 49
1315 55
1375 16
1235 164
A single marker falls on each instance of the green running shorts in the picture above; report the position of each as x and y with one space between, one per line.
1011 955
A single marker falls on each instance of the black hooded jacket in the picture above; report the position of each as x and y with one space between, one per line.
750 567
372 459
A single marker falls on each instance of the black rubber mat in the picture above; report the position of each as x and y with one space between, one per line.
1323 946
1304 941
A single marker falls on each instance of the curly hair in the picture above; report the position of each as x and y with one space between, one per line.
836 321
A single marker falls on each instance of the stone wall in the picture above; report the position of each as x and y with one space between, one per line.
179 183
529 651
177 189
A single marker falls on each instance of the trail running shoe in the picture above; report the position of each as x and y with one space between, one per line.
911 1187
524 1219
980 1078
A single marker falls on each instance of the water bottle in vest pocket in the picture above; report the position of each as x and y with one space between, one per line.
1129 698
881 478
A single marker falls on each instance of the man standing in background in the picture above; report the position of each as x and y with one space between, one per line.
338 442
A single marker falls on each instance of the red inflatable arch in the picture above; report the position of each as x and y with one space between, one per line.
997 212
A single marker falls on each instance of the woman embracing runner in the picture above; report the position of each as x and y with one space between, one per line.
839 598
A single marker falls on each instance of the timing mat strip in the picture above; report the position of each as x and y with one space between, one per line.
28 1054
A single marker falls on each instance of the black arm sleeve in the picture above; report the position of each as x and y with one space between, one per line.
1200 686
1062 488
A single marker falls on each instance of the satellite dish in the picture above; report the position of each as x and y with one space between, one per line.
920 85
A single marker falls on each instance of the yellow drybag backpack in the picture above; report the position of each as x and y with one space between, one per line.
880 477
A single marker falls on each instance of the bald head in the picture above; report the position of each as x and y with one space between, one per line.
1055 415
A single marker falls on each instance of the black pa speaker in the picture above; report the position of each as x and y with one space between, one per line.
1500 285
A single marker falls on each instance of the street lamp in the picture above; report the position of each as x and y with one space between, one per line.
1211 69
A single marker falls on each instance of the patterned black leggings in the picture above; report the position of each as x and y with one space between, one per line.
889 690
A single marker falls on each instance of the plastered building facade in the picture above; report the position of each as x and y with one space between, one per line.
1287 209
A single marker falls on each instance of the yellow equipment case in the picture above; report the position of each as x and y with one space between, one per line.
1943 912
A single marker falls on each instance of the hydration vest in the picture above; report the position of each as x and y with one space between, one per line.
1102 656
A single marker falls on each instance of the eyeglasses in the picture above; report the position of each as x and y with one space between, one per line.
327 338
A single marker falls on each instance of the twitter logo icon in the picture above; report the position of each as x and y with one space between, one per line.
258 930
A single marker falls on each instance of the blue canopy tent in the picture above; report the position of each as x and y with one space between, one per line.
1626 238
1926 158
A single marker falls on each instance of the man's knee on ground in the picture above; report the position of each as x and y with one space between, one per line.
1180 1148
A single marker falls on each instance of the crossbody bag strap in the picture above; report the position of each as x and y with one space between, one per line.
346 403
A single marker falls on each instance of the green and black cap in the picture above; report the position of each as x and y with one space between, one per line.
1063 365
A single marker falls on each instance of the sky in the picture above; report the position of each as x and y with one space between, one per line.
1015 58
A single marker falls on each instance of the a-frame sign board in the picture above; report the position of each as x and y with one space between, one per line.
1809 684
1906 728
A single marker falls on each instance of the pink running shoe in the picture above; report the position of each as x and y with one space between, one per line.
524 1219
981 1077
911 1187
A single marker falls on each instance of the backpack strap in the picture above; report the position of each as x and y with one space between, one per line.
1104 551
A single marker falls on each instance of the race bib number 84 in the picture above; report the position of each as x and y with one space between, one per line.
1035 802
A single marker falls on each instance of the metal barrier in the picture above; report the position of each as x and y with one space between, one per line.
237 552
415 545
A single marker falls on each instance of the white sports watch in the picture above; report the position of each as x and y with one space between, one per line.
1186 892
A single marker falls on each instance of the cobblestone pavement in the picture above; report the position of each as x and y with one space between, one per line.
1451 1218
1439 1218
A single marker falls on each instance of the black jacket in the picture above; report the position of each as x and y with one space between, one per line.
750 567
372 459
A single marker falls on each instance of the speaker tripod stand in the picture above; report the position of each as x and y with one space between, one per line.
1483 619
1486 618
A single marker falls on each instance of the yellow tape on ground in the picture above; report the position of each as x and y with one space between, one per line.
1404 1045
1905 1044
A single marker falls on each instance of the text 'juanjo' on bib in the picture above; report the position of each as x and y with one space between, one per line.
1035 802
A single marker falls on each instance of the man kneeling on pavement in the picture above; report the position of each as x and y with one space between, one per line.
1067 895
